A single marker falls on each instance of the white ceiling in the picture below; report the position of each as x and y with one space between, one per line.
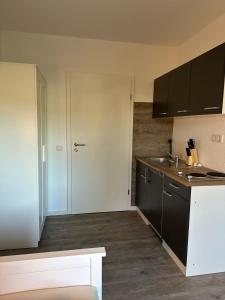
162 22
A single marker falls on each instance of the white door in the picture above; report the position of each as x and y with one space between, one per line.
100 109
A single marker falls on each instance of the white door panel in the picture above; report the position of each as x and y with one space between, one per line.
100 119
42 127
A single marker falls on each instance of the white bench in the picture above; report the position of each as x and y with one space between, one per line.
75 274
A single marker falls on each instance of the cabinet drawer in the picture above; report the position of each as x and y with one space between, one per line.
178 188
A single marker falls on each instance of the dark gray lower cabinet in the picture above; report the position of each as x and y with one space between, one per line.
149 186
141 188
176 223
166 204
154 191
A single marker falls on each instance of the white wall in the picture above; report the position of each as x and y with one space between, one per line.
55 55
209 37
211 154
201 128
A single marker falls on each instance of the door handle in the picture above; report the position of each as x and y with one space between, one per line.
79 145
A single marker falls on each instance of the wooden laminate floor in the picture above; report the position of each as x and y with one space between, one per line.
136 266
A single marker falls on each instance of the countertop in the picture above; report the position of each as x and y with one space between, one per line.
172 173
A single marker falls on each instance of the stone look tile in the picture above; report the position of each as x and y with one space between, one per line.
150 136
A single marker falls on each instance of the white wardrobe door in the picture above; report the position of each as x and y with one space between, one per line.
18 153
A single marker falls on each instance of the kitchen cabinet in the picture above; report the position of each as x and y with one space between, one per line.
161 94
23 169
141 190
175 223
154 192
149 184
178 102
195 88
191 214
207 82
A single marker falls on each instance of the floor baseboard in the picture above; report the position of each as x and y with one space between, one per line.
57 213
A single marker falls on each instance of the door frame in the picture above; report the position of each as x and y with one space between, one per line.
69 136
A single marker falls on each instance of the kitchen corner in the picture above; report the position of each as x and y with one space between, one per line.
188 216
184 200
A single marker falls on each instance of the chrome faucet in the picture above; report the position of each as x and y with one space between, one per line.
174 159
170 149
170 155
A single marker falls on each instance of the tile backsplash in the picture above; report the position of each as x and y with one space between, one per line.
150 136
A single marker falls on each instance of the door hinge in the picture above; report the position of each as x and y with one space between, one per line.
128 192
131 97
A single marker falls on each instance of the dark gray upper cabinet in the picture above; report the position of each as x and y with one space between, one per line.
179 90
207 82
195 88
161 94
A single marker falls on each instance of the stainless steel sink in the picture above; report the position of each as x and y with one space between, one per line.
160 159
165 161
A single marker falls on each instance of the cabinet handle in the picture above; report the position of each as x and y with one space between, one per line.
182 111
163 113
211 108
167 194
174 186
144 177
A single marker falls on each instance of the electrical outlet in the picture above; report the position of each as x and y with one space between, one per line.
213 138
217 138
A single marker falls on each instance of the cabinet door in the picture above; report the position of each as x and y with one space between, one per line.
160 98
154 198
140 199
207 82
176 223
179 90
42 148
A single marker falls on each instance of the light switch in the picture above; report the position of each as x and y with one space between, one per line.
59 148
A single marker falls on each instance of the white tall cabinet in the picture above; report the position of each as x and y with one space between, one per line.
23 152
